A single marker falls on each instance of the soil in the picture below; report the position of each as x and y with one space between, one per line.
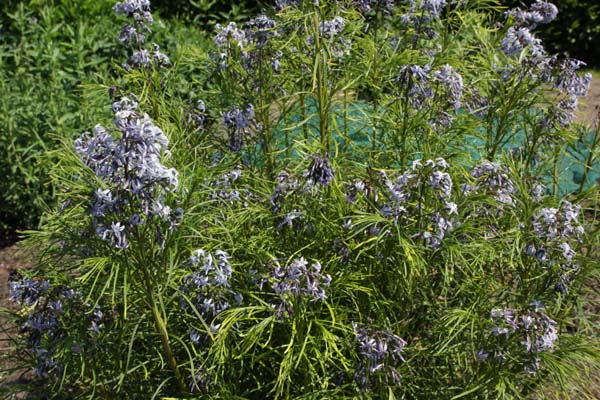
12 259
590 105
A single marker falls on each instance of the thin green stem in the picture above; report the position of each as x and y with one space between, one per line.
589 162
499 135
161 327
304 116
557 152
375 85
323 100
531 153
263 106
405 111
346 138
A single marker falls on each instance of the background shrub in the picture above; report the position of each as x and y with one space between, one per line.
49 52
207 11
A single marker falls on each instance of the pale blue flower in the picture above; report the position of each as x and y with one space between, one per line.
129 7
569 81
379 351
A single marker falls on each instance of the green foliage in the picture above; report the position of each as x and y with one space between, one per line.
207 11
47 52
322 208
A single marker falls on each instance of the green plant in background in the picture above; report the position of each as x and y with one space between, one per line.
46 51
207 12
357 199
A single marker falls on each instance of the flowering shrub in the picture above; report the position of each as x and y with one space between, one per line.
355 199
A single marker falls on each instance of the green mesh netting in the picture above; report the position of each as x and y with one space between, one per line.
353 132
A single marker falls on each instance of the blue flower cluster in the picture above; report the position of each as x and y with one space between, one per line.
381 351
45 322
413 80
452 82
558 223
517 39
238 124
131 167
28 291
568 81
421 14
196 117
286 184
519 36
573 85
557 230
331 31
250 41
230 34
332 28
405 199
536 331
138 11
548 69
258 30
299 280
281 4
420 86
289 218
318 175
366 7
208 288
223 189
291 283
492 179
540 12
320 171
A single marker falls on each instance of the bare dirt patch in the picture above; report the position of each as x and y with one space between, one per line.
11 259
589 105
